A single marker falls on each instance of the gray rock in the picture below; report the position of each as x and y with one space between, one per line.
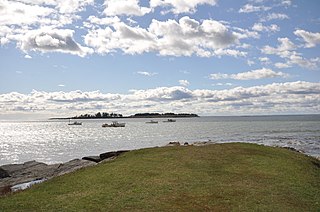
72 166
3 173
107 155
173 143
33 171
96 159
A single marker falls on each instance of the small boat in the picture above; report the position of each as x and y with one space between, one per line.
170 120
152 122
75 123
114 124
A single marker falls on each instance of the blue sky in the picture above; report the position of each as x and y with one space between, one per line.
211 57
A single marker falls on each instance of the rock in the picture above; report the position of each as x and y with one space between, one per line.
72 166
3 173
203 143
26 172
107 155
33 171
291 148
173 143
96 159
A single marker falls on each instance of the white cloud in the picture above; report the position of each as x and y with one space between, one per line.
52 40
311 39
249 8
286 3
184 82
178 6
222 84
124 7
71 6
282 65
260 27
250 62
61 85
286 51
184 37
27 56
21 20
17 13
283 50
275 16
264 59
145 73
250 75
289 97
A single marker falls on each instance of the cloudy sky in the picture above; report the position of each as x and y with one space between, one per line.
210 57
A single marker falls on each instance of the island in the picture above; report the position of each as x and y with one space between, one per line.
105 115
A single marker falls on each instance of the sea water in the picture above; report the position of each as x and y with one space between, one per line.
55 141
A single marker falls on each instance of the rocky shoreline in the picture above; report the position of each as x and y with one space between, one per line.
14 177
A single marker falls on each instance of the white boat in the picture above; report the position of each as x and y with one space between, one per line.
152 122
75 123
170 120
114 124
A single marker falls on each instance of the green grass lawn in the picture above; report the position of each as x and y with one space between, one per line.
219 177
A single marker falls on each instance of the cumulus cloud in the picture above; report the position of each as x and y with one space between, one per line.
184 82
275 16
249 8
311 39
250 75
124 7
286 51
178 6
283 49
36 25
53 40
264 60
261 28
184 37
300 97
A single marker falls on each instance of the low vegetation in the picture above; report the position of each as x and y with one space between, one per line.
219 177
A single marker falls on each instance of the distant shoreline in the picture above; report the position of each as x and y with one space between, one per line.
138 115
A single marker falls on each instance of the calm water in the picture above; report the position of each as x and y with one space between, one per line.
55 141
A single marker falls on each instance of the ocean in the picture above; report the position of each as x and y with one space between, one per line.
54 141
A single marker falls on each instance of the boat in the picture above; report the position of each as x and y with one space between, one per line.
170 120
75 123
152 122
114 124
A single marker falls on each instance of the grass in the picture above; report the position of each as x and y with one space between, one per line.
220 177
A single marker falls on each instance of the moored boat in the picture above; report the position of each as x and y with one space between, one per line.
75 123
152 122
170 120
114 124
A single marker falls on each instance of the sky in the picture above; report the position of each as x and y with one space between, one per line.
210 57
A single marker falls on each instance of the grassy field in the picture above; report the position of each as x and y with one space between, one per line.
220 177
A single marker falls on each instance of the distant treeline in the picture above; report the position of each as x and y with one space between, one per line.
163 115
103 115
98 116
